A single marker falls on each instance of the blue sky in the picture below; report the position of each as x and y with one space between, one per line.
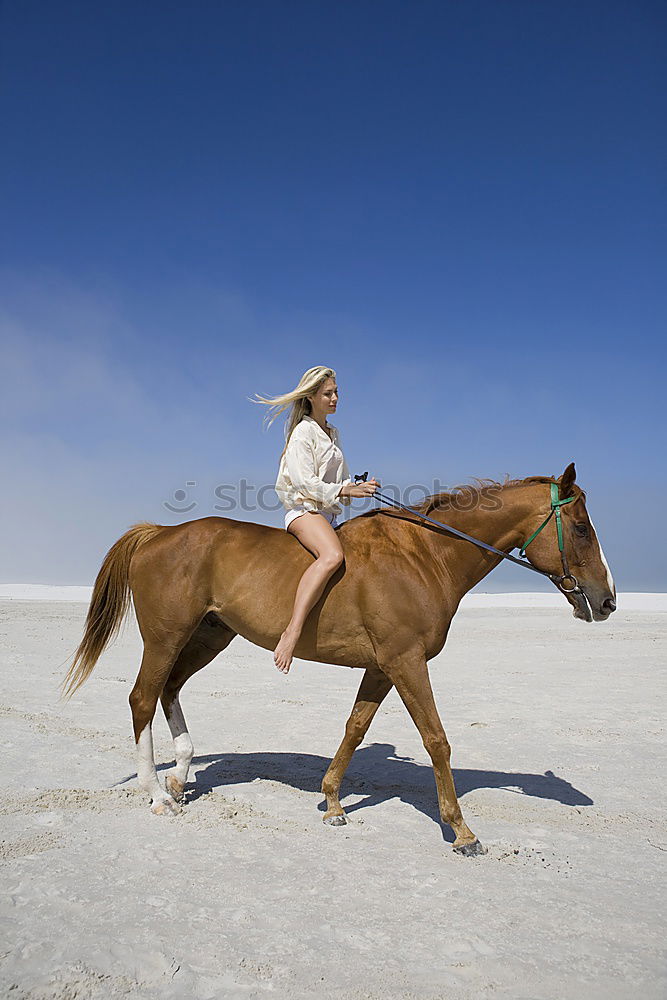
458 206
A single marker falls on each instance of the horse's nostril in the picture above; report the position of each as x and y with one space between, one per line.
609 604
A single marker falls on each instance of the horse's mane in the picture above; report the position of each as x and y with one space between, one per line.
478 489
472 493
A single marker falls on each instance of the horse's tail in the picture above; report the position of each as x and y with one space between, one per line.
108 605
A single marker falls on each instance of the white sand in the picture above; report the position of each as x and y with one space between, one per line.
630 601
558 739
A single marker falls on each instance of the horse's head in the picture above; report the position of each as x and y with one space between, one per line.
583 553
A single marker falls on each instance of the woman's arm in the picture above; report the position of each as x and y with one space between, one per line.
347 479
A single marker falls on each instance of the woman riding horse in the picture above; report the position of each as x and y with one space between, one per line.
312 476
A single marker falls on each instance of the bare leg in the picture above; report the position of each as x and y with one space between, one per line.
316 534
374 688
410 676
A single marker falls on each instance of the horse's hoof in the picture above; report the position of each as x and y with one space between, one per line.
471 850
174 787
165 807
335 821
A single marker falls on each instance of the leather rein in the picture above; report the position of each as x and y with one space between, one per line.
565 581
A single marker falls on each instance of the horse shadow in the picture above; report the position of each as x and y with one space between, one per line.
376 772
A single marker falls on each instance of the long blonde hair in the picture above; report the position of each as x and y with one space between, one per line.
296 400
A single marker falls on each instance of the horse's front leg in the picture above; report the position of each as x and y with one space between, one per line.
409 674
374 688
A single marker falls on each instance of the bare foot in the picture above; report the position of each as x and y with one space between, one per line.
285 650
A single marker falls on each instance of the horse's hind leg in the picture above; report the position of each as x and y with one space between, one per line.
210 638
156 664
374 688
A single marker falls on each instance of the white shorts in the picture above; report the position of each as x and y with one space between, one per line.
298 511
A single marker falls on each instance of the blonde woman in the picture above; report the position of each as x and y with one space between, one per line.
313 477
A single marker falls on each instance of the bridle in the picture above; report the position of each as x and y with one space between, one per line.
566 582
556 505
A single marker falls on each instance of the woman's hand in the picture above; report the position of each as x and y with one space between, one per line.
360 490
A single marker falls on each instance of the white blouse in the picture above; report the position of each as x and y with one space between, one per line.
312 469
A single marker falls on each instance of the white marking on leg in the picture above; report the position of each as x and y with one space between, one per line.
610 579
183 748
147 775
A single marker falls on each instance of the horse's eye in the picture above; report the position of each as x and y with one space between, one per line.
581 530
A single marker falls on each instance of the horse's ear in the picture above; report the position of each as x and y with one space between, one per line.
566 482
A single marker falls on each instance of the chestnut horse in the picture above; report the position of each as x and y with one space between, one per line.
386 610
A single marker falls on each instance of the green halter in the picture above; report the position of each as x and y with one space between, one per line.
556 505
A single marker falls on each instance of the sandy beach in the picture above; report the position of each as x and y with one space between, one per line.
558 736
